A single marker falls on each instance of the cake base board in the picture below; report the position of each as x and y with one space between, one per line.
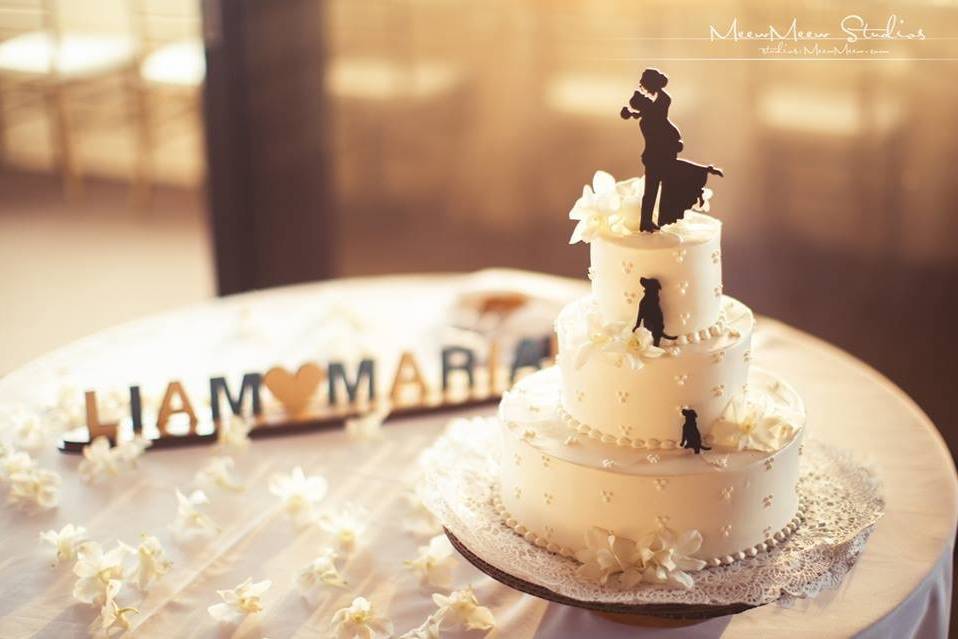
648 615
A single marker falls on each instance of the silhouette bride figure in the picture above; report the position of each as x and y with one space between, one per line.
681 182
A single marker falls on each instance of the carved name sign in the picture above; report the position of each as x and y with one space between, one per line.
314 396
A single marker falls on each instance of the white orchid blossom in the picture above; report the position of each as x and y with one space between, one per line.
360 621
320 573
594 208
99 461
34 488
66 541
191 522
238 602
151 562
96 570
368 427
461 610
346 526
751 423
660 557
617 339
233 432
219 472
112 617
435 562
300 494
666 556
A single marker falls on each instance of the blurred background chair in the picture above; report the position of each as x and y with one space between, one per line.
64 53
169 89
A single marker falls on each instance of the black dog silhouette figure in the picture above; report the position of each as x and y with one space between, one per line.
691 437
650 311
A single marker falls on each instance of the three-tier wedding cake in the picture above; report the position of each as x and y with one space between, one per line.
651 449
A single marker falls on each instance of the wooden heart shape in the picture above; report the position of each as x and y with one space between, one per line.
293 391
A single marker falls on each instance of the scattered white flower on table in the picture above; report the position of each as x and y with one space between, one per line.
112 616
435 562
319 573
99 460
751 424
666 556
605 555
220 472
34 488
15 462
27 431
233 432
368 427
129 450
239 602
461 609
299 493
428 630
191 522
65 542
346 526
595 208
619 339
360 621
151 562
70 409
96 569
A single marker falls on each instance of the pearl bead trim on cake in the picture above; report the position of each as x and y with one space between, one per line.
770 542
624 441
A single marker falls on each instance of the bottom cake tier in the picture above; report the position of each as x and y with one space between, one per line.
557 485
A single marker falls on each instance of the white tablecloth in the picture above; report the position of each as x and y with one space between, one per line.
900 587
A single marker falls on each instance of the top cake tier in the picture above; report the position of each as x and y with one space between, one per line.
685 257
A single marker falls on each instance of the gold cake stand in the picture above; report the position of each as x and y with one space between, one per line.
658 615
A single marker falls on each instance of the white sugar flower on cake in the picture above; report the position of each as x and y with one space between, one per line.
299 493
606 555
594 210
319 573
151 562
660 557
219 472
435 562
360 621
618 339
66 542
238 602
112 617
95 570
129 451
191 522
666 556
750 423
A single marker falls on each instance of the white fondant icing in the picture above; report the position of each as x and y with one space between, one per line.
683 263
656 392
684 490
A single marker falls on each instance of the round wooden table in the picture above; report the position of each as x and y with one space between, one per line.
900 587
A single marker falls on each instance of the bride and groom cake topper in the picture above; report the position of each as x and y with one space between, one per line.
678 184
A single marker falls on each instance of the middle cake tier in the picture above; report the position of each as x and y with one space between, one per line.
634 397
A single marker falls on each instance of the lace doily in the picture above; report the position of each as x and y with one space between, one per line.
841 499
